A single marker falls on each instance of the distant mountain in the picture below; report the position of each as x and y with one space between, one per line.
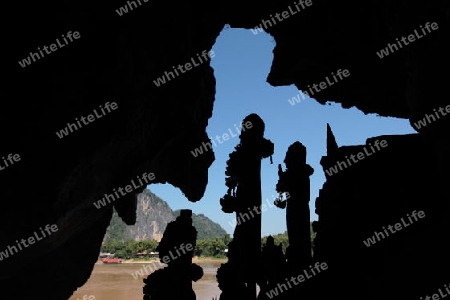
152 216
206 228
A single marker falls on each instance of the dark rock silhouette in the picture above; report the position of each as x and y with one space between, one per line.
316 242
176 250
244 197
229 278
381 190
272 264
295 183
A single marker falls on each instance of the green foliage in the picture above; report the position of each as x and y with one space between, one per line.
212 239
212 247
209 247
206 229
128 248
281 238
116 228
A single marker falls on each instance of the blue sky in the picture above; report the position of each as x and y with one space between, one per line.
241 63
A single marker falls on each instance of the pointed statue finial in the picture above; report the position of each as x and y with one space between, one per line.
332 146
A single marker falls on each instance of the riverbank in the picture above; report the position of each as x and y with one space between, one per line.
195 259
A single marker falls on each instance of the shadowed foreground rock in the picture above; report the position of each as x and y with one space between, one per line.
176 250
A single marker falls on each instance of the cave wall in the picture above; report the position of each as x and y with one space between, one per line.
381 190
117 58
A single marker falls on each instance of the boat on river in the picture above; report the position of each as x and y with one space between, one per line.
111 260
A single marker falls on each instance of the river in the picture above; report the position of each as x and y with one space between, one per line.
115 282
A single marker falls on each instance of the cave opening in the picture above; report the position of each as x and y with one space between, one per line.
241 64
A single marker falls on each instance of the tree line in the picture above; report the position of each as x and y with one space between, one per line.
129 249
212 247
205 247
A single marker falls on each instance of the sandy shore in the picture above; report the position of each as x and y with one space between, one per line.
196 259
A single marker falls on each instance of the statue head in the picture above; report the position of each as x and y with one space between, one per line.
296 154
185 214
252 128
270 241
